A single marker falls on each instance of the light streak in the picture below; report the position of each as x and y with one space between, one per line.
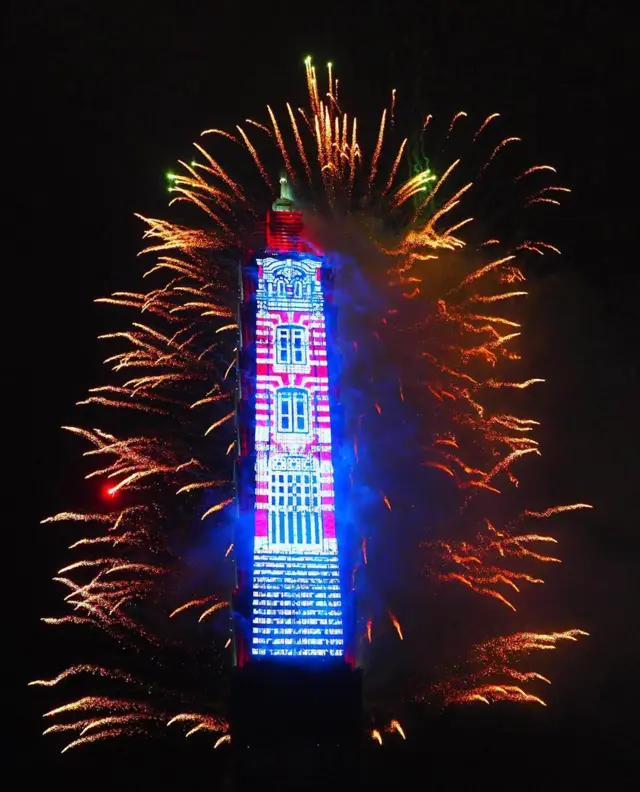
190 604
395 726
217 507
396 624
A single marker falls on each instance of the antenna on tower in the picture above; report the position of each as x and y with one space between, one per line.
285 202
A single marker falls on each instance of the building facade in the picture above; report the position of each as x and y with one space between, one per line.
296 603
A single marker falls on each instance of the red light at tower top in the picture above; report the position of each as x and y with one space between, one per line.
282 232
284 226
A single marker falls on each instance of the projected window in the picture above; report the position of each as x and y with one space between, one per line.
294 517
292 407
291 345
294 491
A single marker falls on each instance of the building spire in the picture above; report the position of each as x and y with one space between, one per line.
285 202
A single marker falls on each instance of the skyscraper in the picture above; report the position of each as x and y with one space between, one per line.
286 449
296 706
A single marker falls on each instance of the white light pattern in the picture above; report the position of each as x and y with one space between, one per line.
297 608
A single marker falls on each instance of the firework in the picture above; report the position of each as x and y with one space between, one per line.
449 288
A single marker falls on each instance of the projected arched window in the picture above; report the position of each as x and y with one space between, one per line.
291 345
292 409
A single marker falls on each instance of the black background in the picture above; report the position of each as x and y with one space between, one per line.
104 98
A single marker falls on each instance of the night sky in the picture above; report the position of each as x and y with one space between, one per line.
106 97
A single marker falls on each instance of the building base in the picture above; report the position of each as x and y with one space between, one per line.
296 725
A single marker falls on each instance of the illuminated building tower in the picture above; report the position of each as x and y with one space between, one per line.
289 602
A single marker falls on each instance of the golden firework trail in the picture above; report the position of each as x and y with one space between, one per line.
495 659
172 368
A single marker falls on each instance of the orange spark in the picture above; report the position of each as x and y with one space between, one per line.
556 510
378 148
460 114
219 132
534 169
255 157
191 604
103 735
79 669
395 726
213 609
394 168
484 124
281 146
396 624
217 507
218 423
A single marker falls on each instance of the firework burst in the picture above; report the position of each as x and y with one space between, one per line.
448 286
